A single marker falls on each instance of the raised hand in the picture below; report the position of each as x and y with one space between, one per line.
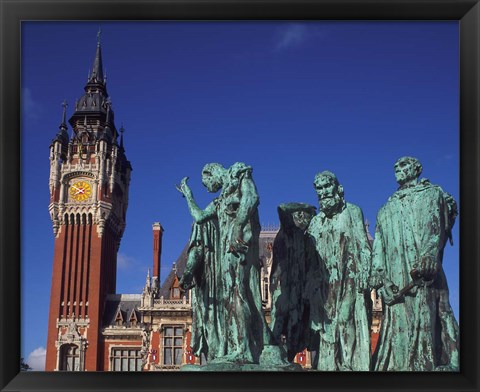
183 188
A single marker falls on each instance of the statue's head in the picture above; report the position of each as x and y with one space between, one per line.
407 169
330 192
302 218
295 214
212 176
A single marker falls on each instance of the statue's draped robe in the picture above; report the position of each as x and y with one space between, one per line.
339 259
241 300
287 281
419 333
208 313
228 323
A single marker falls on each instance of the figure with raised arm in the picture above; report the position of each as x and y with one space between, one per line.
224 266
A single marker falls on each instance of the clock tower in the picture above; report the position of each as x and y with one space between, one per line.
89 181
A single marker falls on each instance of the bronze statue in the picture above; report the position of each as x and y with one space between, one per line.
419 331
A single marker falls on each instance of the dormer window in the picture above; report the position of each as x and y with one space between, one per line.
119 317
175 292
133 318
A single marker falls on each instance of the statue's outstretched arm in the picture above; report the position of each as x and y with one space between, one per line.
198 215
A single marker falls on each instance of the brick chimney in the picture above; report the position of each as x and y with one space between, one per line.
157 249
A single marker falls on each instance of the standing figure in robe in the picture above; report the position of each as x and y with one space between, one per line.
339 262
419 331
288 277
233 287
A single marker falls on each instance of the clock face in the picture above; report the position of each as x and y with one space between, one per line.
80 190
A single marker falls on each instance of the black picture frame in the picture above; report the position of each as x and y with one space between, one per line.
14 12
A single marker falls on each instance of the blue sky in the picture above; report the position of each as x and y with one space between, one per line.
288 98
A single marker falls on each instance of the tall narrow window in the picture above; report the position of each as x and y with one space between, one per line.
70 358
126 359
173 346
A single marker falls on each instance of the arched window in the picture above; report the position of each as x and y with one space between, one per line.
70 358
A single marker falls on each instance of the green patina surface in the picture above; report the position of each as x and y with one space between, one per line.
223 267
339 261
419 331
322 274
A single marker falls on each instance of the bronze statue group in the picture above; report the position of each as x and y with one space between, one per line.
324 268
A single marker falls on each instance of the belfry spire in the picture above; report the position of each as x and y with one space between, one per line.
97 71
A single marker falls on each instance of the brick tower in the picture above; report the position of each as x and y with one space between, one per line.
89 181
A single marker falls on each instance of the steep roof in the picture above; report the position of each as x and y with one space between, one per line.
180 267
124 303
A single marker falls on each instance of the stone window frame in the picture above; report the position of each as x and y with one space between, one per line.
71 337
65 354
138 357
163 337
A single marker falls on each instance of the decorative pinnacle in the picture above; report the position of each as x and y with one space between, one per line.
98 36
174 268
147 283
122 129
109 104
64 114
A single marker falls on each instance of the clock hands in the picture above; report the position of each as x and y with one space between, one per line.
79 190
82 192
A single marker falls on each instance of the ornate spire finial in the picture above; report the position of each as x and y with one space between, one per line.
148 281
64 114
62 135
99 36
174 268
122 129
97 70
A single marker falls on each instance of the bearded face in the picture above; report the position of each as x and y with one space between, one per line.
329 195
405 171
